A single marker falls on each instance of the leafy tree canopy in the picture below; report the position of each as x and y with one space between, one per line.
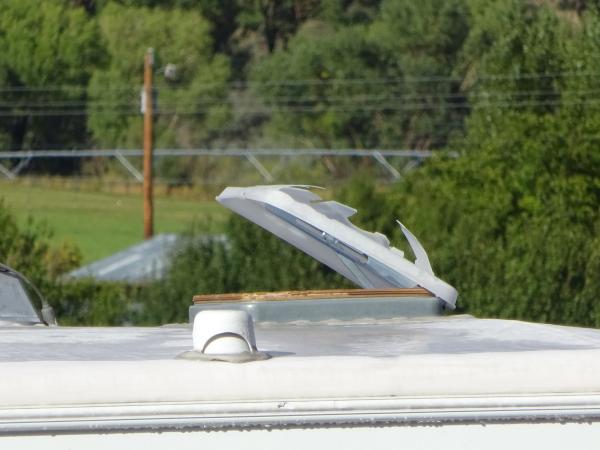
45 46
189 103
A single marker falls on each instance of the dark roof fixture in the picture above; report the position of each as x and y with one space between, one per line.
21 302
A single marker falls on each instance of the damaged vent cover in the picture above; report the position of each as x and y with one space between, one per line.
322 230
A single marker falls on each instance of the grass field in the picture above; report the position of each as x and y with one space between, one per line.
103 223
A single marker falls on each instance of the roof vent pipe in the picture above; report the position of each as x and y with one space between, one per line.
224 335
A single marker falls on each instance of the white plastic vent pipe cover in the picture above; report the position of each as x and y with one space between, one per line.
224 335
322 230
224 332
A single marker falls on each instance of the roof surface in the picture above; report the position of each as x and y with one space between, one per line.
456 355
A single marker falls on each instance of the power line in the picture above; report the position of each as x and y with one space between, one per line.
310 82
309 109
212 100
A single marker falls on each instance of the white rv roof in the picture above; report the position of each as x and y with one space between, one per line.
322 230
443 356
398 371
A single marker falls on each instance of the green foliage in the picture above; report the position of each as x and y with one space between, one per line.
515 231
351 101
28 249
514 221
419 43
319 52
44 44
189 107
507 85
23 248
514 37
349 12
91 303
276 20
423 36
181 38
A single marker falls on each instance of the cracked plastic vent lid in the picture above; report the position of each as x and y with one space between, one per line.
322 230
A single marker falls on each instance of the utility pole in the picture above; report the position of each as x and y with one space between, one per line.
148 138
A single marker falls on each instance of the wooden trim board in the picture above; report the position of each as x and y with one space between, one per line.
313 294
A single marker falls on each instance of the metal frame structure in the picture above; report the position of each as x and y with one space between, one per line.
414 157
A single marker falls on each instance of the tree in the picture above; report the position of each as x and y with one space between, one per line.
514 222
419 43
512 56
276 20
190 107
222 14
383 84
49 52
305 91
